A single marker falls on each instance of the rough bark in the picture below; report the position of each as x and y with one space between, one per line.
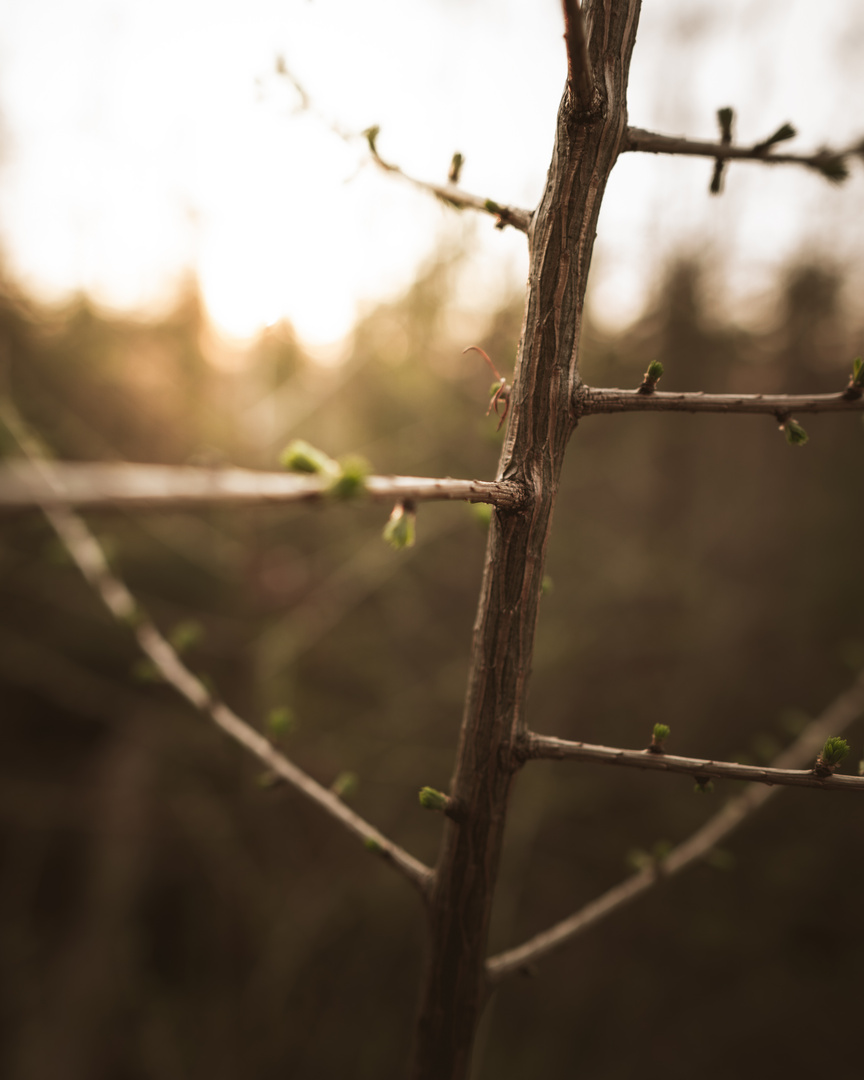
561 239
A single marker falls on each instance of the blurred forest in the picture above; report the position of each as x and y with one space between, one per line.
165 915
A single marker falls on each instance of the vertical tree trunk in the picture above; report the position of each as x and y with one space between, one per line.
541 419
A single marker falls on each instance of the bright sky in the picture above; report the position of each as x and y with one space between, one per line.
144 140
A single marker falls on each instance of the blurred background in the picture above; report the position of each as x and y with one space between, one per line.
163 914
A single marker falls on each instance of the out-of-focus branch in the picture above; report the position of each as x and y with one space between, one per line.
580 77
453 195
837 717
545 746
90 560
590 400
830 163
26 484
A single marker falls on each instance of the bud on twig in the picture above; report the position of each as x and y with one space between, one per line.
659 735
795 434
432 799
725 118
455 170
833 752
856 381
651 377
786 131
399 532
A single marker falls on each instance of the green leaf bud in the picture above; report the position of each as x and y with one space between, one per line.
492 206
455 170
660 733
400 530
725 118
482 514
784 132
345 785
351 478
655 370
301 457
372 845
832 166
431 799
281 721
704 785
371 134
186 634
795 434
834 751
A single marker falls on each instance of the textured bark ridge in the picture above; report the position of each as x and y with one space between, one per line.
561 240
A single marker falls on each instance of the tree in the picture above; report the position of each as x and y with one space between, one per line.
542 408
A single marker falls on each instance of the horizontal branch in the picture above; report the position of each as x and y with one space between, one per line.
453 195
842 712
90 559
544 746
93 486
590 400
828 162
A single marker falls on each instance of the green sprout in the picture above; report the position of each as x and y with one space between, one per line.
281 721
372 845
795 434
186 634
482 514
856 380
269 779
301 457
371 134
350 480
400 530
834 751
546 585
704 785
651 377
725 118
431 799
492 207
659 735
345 785
455 170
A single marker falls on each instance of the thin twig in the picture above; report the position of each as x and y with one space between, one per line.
90 559
545 746
23 485
580 77
828 162
834 720
456 197
591 400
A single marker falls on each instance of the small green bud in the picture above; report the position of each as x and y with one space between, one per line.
281 721
546 585
651 377
186 634
345 785
795 434
858 371
269 779
455 170
351 479
704 785
430 799
371 134
400 531
300 456
492 206
145 671
834 751
372 845
482 514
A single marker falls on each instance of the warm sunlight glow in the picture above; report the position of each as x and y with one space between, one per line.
120 182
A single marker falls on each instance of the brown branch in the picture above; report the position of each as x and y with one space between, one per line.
23 485
837 717
580 77
545 746
590 400
90 560
830 163
454 196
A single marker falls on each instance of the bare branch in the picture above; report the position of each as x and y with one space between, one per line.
830 163
545 746
24 485
843 711
580 77
590 400
90 560
453 195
